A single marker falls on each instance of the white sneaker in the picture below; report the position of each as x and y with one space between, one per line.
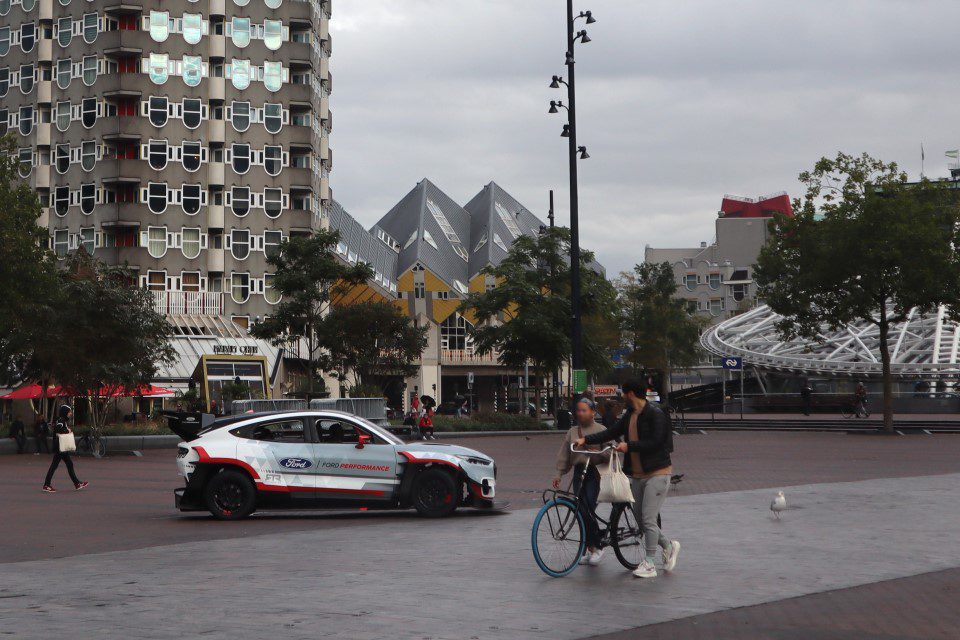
595 557
670 555
585 559
645 570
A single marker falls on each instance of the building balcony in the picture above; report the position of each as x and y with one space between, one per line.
188 303
44 92
215 260
468 356
43 134
45 50
215 216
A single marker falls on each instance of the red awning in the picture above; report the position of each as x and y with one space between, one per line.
33 392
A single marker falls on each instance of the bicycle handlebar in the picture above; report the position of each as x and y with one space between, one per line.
573 447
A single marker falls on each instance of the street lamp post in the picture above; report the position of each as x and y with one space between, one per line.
575 153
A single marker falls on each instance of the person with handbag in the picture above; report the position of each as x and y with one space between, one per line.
648 445
63 444
567 460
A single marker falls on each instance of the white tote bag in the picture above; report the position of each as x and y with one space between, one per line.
67 442
614 483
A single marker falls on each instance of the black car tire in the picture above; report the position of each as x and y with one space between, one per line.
230 495
435 493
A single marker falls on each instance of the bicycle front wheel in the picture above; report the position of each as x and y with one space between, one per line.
626 536
848 411
558 538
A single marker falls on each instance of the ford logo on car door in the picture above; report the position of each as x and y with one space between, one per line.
295 463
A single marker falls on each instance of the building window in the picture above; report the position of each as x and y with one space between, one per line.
63 116
191 198
429 239
156 280
190 154
91 27
716 307
240 154
4 40
192 70
63 158
240 201
240 243
419 291
28 5
88 112
157 154
690 281
272 4
159 25
270 293
273 117
240 74
26 78
273 202
190 243
714 281
64 31
157 241
272 159
192 27
497 240
159 67
240 29
25 165
507 220
88 240
240 116
26 121
61 200
441 219
739 292
89 70
240 287
271 243
61 242
157 196
4 81
88 155
272 34
88 198
28 36
192 112
454 333
64 73
190 280
159 111
272 75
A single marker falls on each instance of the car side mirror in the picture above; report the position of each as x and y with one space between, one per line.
363 440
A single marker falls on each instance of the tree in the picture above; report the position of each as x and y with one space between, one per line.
308 276
526 317
105 338
657 327
368 339
27 271
865 245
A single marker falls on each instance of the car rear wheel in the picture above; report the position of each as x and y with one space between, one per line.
230 495
435 493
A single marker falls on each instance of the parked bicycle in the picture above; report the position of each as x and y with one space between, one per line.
558 538
854 409
92 442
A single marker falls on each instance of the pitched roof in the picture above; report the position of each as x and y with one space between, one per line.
431 229
497 219
357 244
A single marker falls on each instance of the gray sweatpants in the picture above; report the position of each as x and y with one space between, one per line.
648 497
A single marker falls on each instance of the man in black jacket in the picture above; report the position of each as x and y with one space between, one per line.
648 444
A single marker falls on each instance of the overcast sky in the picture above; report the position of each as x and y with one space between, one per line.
679 102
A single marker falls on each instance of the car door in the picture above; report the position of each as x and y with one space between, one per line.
348 469
281 451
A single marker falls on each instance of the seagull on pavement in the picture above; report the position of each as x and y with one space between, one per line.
778 505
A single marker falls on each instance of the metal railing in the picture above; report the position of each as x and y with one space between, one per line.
468 356
188 303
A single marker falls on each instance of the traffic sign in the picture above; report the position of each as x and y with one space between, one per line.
579 380
733 363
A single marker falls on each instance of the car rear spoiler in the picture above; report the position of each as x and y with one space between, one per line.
188 425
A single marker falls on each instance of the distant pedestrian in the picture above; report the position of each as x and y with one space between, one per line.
415 404
41 434
611 413
61 427
426 425
18 433
806 397
860 396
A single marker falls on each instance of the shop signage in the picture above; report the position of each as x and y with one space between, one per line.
235 350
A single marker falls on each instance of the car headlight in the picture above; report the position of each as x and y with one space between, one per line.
475 460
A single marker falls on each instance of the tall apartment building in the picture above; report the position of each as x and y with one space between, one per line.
186 138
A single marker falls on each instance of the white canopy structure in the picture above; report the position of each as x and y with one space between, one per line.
923 346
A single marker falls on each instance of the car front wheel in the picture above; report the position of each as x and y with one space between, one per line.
435 493
230 495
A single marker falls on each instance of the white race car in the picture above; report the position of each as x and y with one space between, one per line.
322 460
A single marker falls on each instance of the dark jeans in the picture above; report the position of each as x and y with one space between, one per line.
588 502
43 443
57 457
21 442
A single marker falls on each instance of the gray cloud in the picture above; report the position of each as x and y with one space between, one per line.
679 103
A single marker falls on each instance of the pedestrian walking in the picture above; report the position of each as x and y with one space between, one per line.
806 396
62 427
18 433
41 434
649 442
860 395
567 460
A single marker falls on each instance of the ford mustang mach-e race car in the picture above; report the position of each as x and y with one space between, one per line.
322 459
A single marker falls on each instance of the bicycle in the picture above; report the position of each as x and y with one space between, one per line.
854 409
92 442
558 538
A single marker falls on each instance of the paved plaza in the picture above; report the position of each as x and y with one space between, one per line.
869 531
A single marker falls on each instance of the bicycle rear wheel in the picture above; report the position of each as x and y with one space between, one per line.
626 536
558 538
848 411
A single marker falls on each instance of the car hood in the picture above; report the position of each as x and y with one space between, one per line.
448 449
